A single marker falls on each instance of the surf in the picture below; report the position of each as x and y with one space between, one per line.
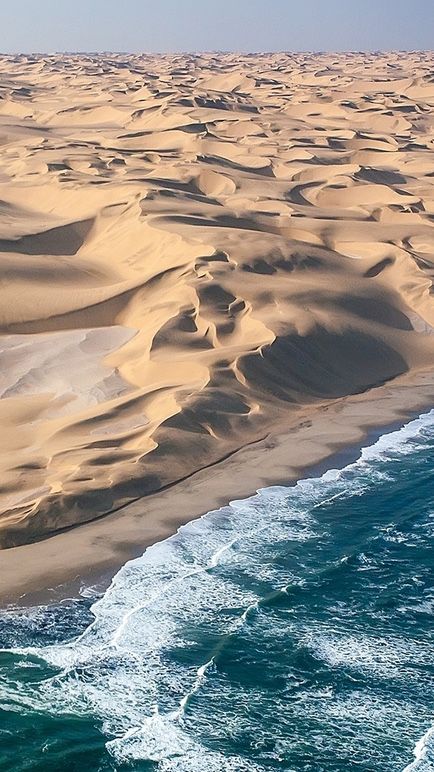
163 633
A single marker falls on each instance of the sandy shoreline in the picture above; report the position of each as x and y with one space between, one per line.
202 258
195 250
327 437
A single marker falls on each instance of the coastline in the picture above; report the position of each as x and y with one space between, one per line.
324 437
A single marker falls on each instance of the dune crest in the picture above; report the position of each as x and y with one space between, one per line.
193 249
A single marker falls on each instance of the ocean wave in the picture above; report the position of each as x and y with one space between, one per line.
423 754
194 592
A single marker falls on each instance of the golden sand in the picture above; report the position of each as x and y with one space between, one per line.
195 252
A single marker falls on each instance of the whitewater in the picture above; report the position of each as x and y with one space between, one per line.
291 630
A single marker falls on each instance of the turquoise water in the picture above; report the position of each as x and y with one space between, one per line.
290 631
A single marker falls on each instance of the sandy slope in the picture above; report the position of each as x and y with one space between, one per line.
192 250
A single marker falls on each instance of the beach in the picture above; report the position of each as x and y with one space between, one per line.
288 629
59 566
216 273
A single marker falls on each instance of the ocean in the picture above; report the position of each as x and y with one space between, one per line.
290 631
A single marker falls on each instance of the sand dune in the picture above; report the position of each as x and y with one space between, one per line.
194 249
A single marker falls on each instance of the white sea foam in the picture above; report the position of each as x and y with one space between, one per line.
160 739
121 668
423 754
385 657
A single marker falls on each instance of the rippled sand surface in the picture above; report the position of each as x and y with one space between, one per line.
193 249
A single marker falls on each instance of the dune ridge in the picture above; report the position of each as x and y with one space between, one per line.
193 249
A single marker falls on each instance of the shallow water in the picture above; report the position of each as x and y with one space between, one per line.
290 631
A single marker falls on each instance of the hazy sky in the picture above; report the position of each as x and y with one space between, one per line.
204 25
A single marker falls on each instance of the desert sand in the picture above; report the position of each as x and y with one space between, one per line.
197 253
320 438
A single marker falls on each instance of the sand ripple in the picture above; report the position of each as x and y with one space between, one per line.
192 249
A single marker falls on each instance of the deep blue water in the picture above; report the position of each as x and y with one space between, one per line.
291 631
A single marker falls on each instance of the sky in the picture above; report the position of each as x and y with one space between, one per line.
215 25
